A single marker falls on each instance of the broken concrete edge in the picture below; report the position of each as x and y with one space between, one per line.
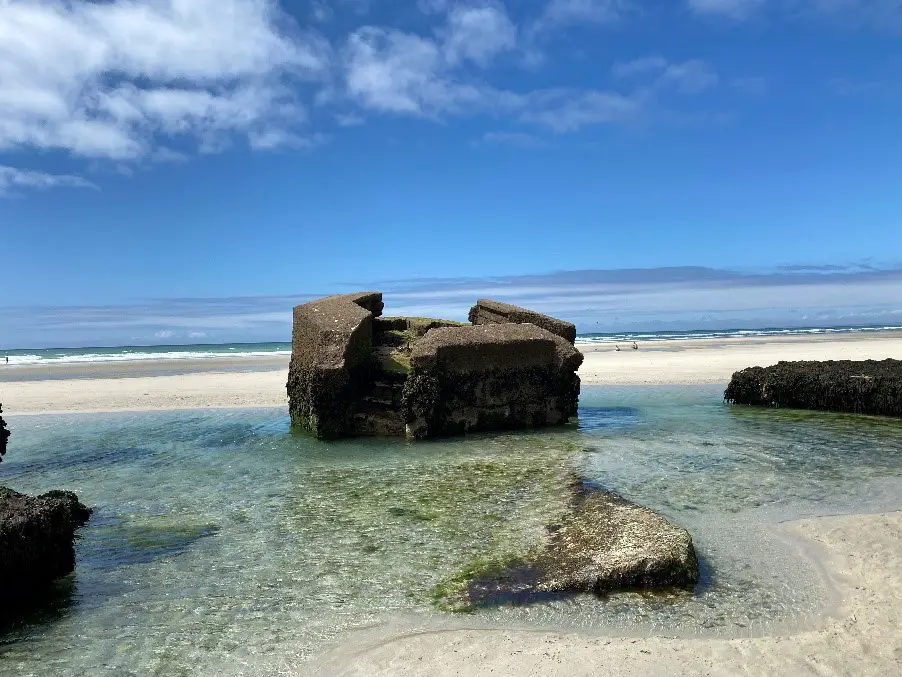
603 544
487 311
335 331
36 541
872 387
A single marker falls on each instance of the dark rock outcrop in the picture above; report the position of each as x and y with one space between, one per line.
604 543
355 373
866 387
36 540
4 435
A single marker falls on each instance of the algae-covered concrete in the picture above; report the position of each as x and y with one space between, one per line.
355 373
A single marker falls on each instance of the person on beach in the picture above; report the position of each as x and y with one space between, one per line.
635 346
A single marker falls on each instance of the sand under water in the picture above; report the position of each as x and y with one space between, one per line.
222 544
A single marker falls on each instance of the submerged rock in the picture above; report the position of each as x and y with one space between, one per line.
865 387
604 543
37 539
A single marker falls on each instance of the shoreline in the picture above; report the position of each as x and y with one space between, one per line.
861 564
249 382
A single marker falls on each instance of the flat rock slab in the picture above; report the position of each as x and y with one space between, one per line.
603 544
37 539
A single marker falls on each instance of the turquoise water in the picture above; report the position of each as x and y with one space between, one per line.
221 544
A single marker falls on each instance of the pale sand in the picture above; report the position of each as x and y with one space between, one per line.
260 382
862 559
714 361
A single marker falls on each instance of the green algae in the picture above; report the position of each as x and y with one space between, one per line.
454 512
450 593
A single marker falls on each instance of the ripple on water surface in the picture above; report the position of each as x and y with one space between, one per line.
221 541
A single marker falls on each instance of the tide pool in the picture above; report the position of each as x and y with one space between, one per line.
222 544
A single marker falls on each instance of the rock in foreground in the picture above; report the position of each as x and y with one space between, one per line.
4 434
36 540
866 387
604 543
355 373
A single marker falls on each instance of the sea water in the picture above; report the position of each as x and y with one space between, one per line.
223 544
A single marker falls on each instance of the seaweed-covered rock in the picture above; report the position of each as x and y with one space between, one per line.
37 539
866 387
4 435
604 543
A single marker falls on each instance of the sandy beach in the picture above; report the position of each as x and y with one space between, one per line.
862 562
260 382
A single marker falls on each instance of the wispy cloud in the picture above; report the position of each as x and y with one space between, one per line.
12 178
600 300
879 15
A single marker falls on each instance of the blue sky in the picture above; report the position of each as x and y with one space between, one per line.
220 158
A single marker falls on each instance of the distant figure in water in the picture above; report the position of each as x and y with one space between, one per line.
7 359
635 346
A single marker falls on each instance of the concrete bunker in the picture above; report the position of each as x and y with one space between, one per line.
356 373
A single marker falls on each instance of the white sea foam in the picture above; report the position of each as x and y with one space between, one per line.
128 356
738 333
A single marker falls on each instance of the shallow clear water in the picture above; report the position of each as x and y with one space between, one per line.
223 544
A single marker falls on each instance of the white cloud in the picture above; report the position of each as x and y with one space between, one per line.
402 73
734 9
568 110
397 72
393 71
640 66
12 178
686 77
109 80
478 34
273 139
164 334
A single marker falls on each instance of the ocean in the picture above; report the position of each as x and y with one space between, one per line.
49 356
222 544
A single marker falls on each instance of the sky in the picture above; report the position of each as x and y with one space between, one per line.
186 170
